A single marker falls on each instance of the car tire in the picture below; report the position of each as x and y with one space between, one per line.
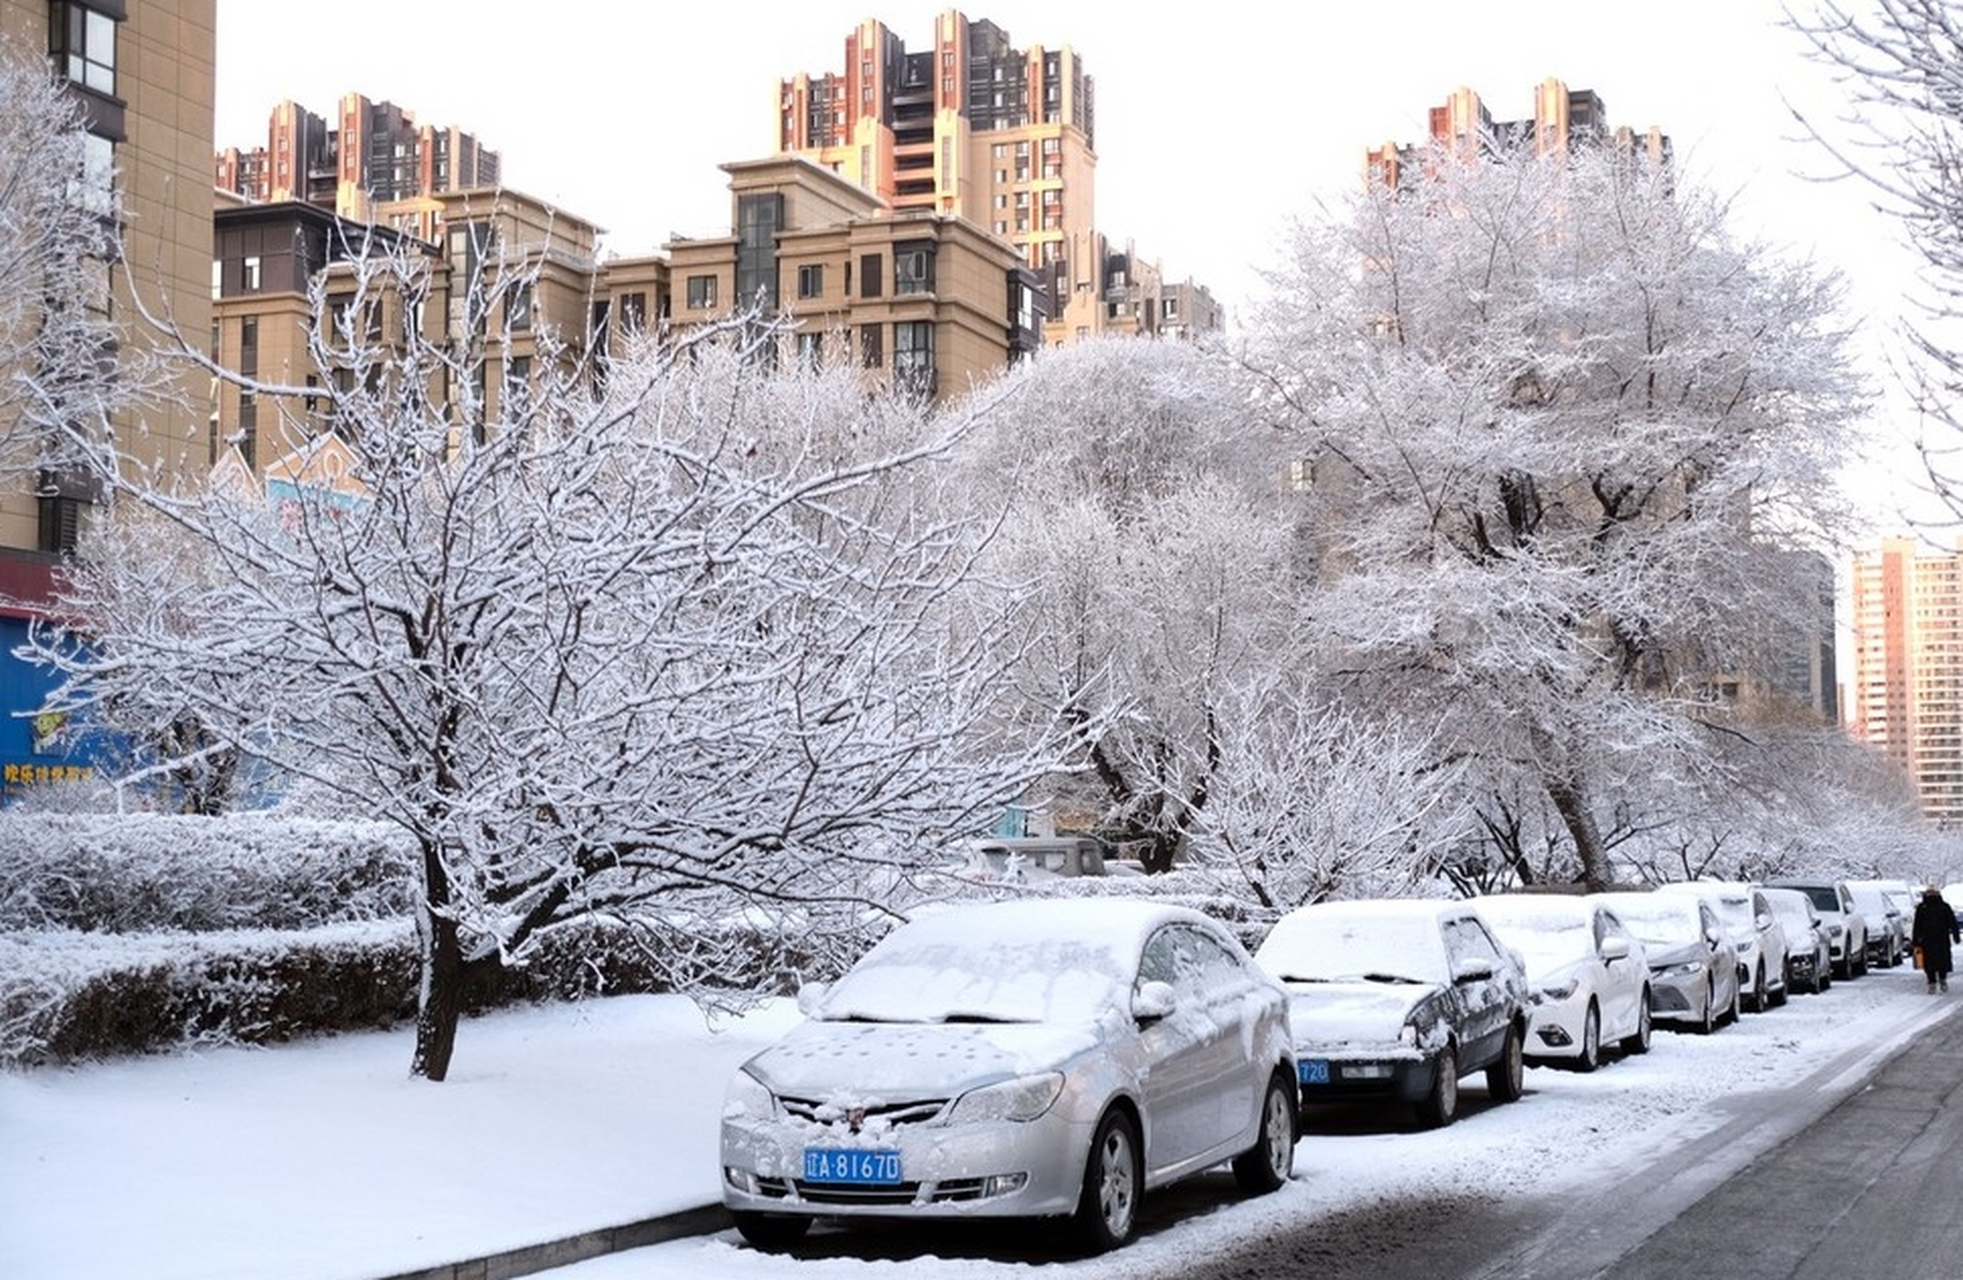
1736 1014
1506 1078
1860 969
1709 1022
1440 1105
1761 999
1114 1178
1637 1042
1590 1056
1266 1165
771 1232
1780 996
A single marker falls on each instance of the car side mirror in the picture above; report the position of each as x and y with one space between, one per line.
1615 948
810 996
1152 1001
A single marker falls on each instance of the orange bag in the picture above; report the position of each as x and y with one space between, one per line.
1918 957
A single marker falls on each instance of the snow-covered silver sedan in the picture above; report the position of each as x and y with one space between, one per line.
1039 1059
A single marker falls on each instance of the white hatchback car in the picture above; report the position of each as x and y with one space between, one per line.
1045 1059
1587 975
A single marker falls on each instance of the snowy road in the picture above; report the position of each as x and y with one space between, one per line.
1538 1188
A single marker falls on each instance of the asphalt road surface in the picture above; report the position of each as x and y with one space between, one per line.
1787 1187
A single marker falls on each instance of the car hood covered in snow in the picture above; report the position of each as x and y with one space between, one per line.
1330 1017
854 1061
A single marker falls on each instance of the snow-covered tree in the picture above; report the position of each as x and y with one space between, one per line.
1901 63
670 646
58 237
1146 543
1557 426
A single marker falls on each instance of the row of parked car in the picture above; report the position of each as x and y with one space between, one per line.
1059 1058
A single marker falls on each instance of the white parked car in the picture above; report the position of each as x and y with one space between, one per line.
1587 975
1397 999
1756 935
1047 1059
1847 931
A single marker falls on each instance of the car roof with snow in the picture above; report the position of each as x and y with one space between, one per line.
1330 939
1052 959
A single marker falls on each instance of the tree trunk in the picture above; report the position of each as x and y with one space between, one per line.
1571 802
439 1003
439 997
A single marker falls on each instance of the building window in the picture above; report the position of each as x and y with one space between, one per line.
217 278
249 428
759 218
249 280
83 43
249 345
701 292
633 312
871 283
810 349
1168 308
811 280
913 270
518 308
871 354
95 191
913 356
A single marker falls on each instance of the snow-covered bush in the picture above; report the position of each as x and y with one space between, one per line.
145 872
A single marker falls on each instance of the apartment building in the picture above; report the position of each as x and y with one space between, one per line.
370 155
142 71
972 127
1562 120
924 302
1905 694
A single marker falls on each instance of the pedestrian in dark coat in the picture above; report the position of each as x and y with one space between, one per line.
1934 929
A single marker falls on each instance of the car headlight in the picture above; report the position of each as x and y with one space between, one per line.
746 1097
1560 990
1021 1099
1683 970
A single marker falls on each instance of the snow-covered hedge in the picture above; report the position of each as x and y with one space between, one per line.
66 995
146 872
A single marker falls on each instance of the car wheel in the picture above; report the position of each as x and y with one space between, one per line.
1638 1041
1709 1022
1591 1040
1860 966
1737 1010
1778 997
1114 1175
1266 1165
1760 1001
1440 1106
771 1231
1506 1078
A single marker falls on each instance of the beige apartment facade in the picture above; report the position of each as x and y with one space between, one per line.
1905 694
142 72
1563 120
971 127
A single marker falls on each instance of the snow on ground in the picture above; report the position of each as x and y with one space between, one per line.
324 1161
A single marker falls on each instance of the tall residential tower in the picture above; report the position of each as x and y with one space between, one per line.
1905 607
972 127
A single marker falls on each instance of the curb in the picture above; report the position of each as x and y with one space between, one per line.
528 1259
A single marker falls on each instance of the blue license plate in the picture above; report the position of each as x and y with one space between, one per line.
853 1166
1312 1071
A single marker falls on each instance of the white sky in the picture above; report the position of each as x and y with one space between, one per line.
1213 128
